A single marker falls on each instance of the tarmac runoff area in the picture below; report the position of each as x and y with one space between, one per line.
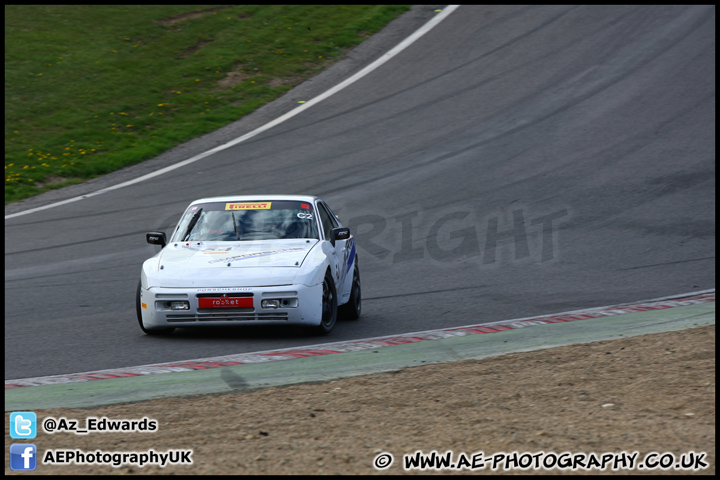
362 357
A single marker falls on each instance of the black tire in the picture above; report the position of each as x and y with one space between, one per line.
329 307
138 309
353 309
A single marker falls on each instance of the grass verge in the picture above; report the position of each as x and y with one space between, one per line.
90 89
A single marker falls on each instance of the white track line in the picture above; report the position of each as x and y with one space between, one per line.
390 54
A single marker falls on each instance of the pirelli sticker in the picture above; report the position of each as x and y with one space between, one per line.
248 206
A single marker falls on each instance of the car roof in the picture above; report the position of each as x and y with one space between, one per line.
254 198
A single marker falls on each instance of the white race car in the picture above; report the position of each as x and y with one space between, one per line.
251 260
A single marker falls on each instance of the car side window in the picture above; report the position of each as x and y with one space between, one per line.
333 217
326 221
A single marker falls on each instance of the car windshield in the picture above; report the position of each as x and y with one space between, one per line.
233 221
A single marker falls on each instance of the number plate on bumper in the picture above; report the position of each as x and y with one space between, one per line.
225 302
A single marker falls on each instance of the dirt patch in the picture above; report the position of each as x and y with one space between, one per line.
51 180
194 49
238 75
279 82
654 393
187 16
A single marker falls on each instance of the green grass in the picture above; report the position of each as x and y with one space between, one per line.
91 89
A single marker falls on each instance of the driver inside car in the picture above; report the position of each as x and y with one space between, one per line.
217 226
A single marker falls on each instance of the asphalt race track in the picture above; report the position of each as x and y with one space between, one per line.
514 161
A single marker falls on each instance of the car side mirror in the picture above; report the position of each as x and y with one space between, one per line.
156 238
339 233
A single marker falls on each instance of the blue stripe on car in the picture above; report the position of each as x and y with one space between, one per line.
351 257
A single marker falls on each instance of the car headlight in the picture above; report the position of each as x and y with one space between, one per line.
181 305
270 304
279 302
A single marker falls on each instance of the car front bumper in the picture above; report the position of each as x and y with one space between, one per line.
157 311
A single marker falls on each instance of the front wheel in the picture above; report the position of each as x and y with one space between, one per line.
138 309
329 307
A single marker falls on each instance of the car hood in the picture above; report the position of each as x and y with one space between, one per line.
266 262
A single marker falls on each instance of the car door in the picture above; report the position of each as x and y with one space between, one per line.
347 255
340 250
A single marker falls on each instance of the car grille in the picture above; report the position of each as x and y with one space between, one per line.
226 317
